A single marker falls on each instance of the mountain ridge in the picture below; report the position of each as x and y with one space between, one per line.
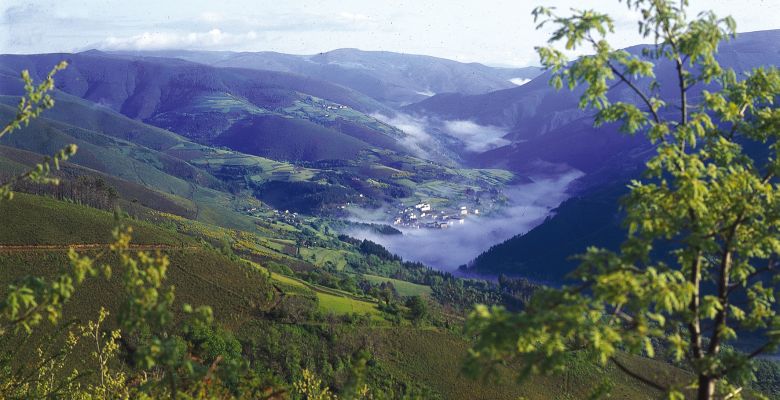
392 78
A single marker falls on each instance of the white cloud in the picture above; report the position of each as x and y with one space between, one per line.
417 139
519 81
476 138
354 17
501 34
213 39
212 17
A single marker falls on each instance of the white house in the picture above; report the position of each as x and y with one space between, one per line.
423 207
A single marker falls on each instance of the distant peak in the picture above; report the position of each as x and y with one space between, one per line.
92 52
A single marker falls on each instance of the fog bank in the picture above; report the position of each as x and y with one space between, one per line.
449 248
424 135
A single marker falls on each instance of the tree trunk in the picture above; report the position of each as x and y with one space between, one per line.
706 388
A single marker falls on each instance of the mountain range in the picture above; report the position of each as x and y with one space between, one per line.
546 127
391 78
265 178
228 121
176 125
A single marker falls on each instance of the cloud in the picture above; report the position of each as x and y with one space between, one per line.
276 21
30 25
212 17
33 26
417 139
216 30
354 17
422 139
476 138
519 81
447 249
469 32
213 39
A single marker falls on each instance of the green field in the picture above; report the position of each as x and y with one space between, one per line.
403 288
320 256
331 300
344 305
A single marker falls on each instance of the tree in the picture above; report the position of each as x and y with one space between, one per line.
150 330
35 101
703 222
418 309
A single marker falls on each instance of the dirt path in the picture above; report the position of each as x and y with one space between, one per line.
89 246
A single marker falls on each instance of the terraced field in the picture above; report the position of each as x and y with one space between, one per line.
403 288
321 257
332 301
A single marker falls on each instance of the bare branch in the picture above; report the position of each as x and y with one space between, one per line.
638 91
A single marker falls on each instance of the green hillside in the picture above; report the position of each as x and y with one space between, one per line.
259 307
37 220
250 230
133 163
404 288
219 184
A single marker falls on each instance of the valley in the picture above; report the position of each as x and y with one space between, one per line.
451 238
200 222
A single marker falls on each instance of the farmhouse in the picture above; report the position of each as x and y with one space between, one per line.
423 207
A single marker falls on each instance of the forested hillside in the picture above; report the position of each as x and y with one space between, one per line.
212 223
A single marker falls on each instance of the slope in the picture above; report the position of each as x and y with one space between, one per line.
391 78
137 164
245 300
546 126
547 252
202 102
610 160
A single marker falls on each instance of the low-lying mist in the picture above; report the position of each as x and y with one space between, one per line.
446 249
423 133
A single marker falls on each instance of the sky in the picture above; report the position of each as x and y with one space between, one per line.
494 32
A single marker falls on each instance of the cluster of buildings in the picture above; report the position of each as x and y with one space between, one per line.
286 216
333 107
423 215
281 216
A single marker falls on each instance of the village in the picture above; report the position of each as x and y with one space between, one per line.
328 109
273 215
422 215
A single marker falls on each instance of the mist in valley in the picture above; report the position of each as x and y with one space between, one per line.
425 136
446 249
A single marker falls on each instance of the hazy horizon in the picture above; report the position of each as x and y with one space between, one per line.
504 34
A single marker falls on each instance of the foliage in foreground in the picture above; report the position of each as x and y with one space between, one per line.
167 355
698 266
